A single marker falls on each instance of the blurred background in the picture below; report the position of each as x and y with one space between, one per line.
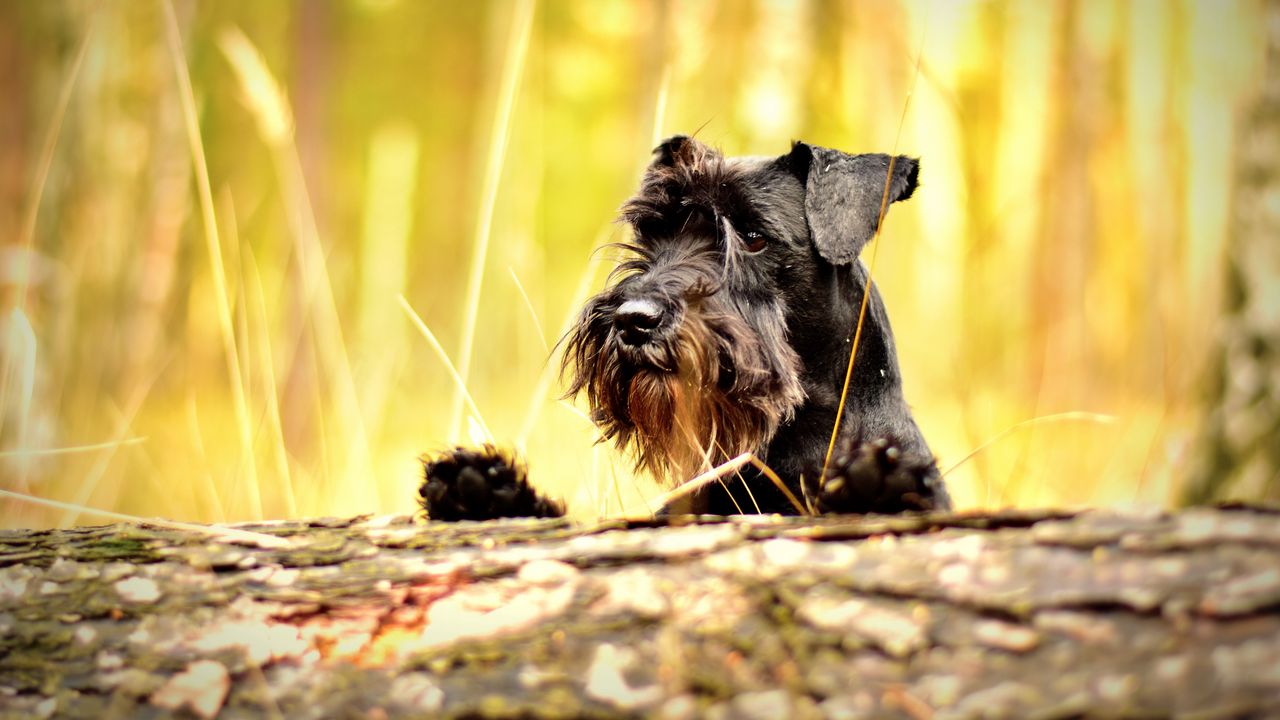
242 242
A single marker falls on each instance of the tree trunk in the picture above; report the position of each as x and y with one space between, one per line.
1238 455
1011 615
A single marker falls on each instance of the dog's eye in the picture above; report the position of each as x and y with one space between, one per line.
754 241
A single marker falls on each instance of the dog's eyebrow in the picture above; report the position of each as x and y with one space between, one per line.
724 225
744 221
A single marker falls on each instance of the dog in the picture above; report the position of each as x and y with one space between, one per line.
728 329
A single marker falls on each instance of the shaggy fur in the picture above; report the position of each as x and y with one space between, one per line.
728 328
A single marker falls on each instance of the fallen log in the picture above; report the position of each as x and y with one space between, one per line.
1012 614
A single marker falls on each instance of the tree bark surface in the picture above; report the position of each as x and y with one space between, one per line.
1237 455
1017 615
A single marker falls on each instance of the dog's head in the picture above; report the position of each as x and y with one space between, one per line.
685 356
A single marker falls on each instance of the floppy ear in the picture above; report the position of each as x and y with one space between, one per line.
843 194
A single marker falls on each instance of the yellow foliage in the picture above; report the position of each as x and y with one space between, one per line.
227 297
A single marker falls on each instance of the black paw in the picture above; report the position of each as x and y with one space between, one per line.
483 484
877 476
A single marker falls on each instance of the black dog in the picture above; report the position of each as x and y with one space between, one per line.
729 331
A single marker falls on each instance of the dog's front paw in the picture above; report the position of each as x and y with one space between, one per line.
483 484
878 476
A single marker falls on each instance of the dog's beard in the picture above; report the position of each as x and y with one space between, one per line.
686 403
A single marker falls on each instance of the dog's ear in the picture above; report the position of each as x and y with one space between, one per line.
843 194
681 151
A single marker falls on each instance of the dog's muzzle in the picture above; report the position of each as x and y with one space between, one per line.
636 321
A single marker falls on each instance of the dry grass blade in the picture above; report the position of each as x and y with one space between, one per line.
25 255
26 240
528 304
545 378
857 333
256 354
1075 415
548 374
719 472
777 481
705 452
201 458
20 347
573 410
74 448
257 306
696 483
213 244
660 104
91 480
262 94
871 269
448 364
231 535
271 110
613 475
512 70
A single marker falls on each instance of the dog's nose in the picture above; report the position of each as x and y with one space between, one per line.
636 320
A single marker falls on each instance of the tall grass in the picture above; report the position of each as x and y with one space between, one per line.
221 301
512 70
241 238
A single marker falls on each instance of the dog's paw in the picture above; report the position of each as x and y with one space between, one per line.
877 476
480 484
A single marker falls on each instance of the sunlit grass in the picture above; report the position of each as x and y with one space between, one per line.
512 71
260 358
343 437
243 221
533 312
227 534
458 380
222 301
17 362
74 449
88 484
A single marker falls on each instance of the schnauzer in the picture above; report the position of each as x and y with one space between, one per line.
729 330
